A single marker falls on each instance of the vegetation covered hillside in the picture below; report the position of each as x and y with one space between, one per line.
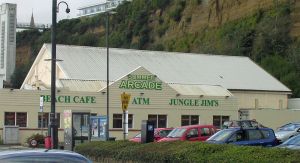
264 30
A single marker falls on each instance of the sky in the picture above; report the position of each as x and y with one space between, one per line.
42 9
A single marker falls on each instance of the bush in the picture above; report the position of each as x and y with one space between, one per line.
183 151
175 14
38 137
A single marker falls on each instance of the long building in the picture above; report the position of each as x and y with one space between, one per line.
171 89
93 9
8 20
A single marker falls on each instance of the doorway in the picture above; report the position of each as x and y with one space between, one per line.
80 128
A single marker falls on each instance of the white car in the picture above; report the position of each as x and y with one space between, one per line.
287 131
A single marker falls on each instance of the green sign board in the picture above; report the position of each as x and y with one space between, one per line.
72 99
147 82
194 102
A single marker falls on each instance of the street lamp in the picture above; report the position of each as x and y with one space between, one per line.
53 130
107 70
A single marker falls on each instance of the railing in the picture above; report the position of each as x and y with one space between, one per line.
98 8
36 26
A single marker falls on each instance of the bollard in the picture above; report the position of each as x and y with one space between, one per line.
48 142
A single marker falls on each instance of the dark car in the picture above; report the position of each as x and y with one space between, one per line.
292 143
242 123
42 156
245 136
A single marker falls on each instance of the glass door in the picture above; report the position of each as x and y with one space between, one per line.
81 128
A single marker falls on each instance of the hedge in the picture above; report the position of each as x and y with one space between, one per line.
183 151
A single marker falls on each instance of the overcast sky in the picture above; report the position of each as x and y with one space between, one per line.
42 9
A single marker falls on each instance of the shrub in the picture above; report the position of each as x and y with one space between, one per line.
183 151
175 14
38 137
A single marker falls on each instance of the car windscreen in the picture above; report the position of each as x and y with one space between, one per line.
290 127
164 133
176 133
138 136
221 135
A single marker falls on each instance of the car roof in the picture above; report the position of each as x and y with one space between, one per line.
159 129
37 151
247 128
193 126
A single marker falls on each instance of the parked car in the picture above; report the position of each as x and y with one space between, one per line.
42 156
292 143
288 131
245 136
136 138
159 133
191 133
242 123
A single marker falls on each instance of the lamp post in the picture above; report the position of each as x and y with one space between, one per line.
53 130
108 12
107 75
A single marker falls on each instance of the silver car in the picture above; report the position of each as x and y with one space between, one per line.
292 143
42 156
287 131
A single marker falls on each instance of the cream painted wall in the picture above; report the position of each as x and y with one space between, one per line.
42 72
246 99
275 118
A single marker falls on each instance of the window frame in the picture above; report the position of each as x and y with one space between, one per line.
130 119
57 115
221 120
156 121
16 119
189 118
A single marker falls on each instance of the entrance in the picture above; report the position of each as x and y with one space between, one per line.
80 128
76 128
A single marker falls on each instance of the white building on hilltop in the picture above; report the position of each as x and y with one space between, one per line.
94 9
8 19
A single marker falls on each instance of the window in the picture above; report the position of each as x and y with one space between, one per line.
238 136
193 133
93 114
205 132
266 133
130 121
254 135
219 120
45 118
118 121
16 118
189 120
160 121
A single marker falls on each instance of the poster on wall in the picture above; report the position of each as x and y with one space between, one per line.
102 127
98 124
